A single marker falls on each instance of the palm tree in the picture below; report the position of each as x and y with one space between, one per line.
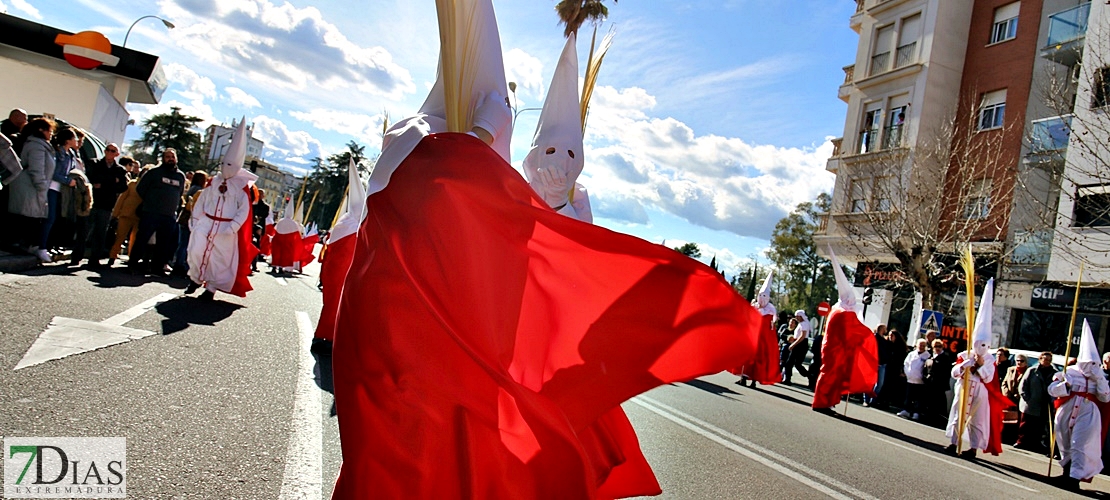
574 13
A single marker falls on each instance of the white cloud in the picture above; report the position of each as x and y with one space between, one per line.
527 71
285 147
715 182
242 98
26 8
366 129
285 47
188 83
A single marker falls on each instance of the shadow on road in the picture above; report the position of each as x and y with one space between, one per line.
184 311
710 387
322 372
1011 471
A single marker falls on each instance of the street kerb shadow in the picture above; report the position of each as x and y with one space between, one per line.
710 387
1013 472
182 312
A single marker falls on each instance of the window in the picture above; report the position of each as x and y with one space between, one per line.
857 196
1100 93
978 200
882 193
907 41
1092 206
880 60
992 110
892 136
1005 22
869 133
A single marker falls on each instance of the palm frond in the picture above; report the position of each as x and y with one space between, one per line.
593 66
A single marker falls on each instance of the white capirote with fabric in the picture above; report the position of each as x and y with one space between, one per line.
978 421
220 210
1078 420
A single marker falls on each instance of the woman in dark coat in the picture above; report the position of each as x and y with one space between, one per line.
28 198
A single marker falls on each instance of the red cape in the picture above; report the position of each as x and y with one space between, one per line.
849 359
998 403
308 244
483 341
247 253
286 249
764 368
264 241
334 264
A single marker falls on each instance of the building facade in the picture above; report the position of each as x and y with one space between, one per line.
218 137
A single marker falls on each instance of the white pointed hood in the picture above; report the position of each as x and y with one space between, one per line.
557 144
847 293
479 44
288 224
1088 350
232 162
764 296
981 336
354 211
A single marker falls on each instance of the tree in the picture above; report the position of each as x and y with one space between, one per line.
170 130
689 249
327 183
574 13
922 205
806 277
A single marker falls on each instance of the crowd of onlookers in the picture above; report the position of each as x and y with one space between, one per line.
55 203
916 379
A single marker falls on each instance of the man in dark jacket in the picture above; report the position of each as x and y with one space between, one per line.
108 179
160 189
938 376
1035 405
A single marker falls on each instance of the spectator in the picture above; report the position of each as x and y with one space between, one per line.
1004 364
75 205
815 362
29 197
109 179
1011 382
12 128
9 165
798 347
197 181
127 220
786 337
913 367
938 373
161 190
884 359
894 388
1035 405
260 212
65 160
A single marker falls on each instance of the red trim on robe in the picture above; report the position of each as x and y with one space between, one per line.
333 270
998 403
264 241
764 368
849 359
247 253
481 337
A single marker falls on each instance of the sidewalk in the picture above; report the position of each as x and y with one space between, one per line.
16 262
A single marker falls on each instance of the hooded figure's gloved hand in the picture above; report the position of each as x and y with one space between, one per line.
493 114
551 184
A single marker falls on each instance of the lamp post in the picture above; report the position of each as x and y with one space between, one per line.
168 24
517 111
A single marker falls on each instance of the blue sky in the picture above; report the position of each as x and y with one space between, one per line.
710 122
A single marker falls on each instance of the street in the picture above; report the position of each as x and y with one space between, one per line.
221 401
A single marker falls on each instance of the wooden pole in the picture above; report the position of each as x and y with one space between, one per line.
1067 355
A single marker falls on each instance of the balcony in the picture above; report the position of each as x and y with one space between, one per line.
892 136
1030 254
868 141
833 163
906 55
1066 32
1050 135
845 90
879 63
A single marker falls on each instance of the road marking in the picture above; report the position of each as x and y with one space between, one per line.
65 337
281 281
303 477
954 464
787 467
134 312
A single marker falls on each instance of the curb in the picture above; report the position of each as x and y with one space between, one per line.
13 263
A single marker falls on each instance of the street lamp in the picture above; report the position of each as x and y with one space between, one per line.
517 111
168 24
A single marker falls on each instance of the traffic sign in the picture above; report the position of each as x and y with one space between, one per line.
931 320
823 309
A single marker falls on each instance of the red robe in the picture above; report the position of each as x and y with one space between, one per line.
286 248
334 263
764 367
308 244
482 338
264 241
849 359
998 403
247 253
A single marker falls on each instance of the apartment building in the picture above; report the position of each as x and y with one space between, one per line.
218 137
991 76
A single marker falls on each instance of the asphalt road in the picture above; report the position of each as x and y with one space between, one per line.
221 403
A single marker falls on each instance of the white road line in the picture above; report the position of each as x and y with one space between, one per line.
281 281
954 464
772 460
134 312
304 458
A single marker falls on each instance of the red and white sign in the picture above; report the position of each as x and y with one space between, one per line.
823 309
87 50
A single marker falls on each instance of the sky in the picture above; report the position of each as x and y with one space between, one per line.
710 122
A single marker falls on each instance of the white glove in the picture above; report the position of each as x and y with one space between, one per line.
968 363
1058 376
492 113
